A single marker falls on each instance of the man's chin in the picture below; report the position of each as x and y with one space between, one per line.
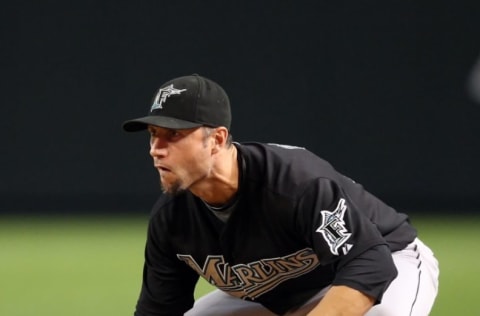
172 189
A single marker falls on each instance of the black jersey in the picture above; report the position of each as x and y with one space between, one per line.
297 225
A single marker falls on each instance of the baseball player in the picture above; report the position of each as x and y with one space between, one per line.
276 229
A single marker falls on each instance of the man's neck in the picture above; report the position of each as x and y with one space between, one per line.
223 182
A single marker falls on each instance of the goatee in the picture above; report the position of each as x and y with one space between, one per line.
174 189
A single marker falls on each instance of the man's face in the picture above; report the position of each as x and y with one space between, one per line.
182 157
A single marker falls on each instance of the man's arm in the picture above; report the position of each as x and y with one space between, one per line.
359 284
342 234
168 284
342 300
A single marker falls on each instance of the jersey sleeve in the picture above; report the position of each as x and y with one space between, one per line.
168 285
342 235
370 272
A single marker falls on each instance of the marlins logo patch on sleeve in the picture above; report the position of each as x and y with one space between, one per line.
333 229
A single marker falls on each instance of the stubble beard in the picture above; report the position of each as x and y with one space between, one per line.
178 186
172 189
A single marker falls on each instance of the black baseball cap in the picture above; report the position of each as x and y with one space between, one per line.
186 102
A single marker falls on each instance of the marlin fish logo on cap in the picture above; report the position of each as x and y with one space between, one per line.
186 102
163 94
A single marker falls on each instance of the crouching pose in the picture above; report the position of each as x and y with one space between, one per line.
275 228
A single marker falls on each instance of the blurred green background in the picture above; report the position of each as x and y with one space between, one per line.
92 265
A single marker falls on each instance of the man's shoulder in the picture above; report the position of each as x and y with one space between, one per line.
283 168
273 147
288 158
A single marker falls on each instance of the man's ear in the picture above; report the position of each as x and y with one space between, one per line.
220 136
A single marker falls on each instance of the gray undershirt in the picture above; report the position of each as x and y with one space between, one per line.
223 212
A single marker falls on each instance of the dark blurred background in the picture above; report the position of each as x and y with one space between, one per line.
378 88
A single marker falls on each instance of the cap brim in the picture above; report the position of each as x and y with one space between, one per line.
142 123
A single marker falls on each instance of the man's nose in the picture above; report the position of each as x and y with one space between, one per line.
158 147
